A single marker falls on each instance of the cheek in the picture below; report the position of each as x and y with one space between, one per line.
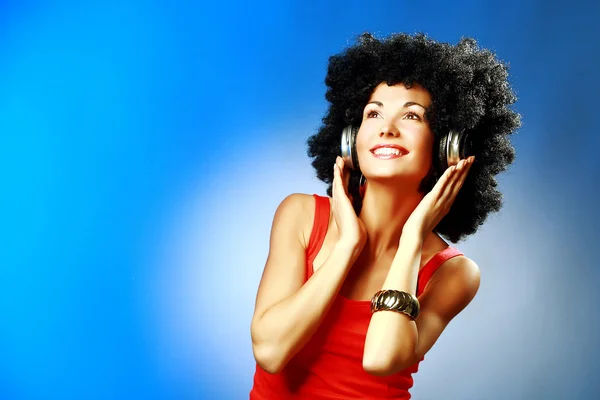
362 144
368 133
426 147
422 146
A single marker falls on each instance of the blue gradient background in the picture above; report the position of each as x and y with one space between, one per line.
144 149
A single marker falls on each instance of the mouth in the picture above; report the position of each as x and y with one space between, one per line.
388 151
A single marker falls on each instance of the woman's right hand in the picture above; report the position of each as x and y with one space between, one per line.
352 231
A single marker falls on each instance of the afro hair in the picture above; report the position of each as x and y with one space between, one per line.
470 92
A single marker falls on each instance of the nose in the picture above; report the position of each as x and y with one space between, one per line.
389 130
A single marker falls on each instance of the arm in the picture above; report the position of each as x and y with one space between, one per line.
289 311
394 341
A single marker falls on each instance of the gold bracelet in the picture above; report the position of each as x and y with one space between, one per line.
396 300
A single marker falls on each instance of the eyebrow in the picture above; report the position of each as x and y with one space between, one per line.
407 104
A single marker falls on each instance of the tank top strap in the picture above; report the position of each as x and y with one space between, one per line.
432 265
319 231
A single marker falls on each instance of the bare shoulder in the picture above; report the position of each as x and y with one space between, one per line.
453 286
298 202
460 272
461 267
297 210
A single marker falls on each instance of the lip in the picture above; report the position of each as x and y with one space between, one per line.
402 150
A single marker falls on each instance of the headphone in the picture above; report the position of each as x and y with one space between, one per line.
452 147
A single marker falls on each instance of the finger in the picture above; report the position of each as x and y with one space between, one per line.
338 187
336 192
344 174
453 180
445 180
341 192
461 176
339 161
336 180
464 170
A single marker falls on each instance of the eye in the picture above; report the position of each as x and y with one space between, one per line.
412 115
372 114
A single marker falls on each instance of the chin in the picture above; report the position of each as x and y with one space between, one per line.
390 171
394 178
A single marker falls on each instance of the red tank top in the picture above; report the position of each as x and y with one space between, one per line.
329 366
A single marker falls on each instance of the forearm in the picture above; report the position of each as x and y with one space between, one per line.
392 337
284 328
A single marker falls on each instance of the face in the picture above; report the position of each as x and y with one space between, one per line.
394 140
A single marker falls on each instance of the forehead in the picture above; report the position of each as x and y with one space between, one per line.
400 94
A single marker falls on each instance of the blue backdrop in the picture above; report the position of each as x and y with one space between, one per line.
144 149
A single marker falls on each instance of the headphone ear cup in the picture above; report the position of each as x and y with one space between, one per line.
458 147
442 154
453 147
466 146
348 147
355 165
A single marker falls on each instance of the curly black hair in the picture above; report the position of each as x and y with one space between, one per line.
470 92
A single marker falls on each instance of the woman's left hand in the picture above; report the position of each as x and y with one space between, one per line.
436 204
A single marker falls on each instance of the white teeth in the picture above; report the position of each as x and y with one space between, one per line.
386 151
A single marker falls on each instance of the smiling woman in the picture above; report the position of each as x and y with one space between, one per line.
359 286
395 119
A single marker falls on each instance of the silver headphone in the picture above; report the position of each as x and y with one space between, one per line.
452 147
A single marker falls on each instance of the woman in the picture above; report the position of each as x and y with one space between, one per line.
359 286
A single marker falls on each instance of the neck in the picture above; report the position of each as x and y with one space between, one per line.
384 213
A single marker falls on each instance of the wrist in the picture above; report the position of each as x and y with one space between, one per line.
411 239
